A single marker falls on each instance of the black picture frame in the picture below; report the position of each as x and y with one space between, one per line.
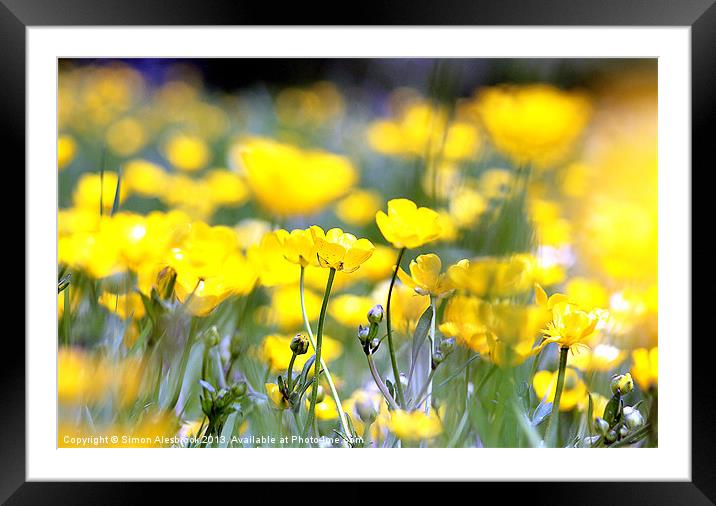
699 15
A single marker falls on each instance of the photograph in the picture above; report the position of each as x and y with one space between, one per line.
357 253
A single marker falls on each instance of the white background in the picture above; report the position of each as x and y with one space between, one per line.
672 460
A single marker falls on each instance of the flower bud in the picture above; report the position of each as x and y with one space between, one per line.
447 346
363 333
239 389
623 432
601 425
366 410
633 417
235 346
212 337
375 315
611 436
299 344
622 384
438 357
320 394
166 280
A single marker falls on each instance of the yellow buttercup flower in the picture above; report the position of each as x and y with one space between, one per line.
494 276
466 207
351 310
289 181
269 261
123 305
273 393
339 250
226 188
299 246
545 385
379 266
425 276
144 178
513 330
602 358
415 425
465 318
91 187
645 367
126 136
406 306
66 150
599 403
406 225
285 310
535 123
570 326
79 377
276 350
187 152
358 207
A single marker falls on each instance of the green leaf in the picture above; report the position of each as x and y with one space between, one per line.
115 203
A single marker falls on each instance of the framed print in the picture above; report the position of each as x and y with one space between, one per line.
428 252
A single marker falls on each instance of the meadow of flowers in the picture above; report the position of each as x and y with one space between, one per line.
325 265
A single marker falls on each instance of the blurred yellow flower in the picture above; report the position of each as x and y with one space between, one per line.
249 232
144 178
415 425
123 305
645 367
269 261
466 206
586 292
406 225
276 351
339 250
90 187
512 331
599 403
284 309
186 152
534 123
126 136
425 276
289 181
358 208
80 379
494 276
275 395
406 306
602 358
66 150
379 266
226 188
545 385
465 318
351 310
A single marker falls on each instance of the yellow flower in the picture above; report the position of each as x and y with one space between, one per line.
645 367
299 246
285 309
494 276
288 181
351 310
66 150
513 330
359 207
406 306
144 178
599 403
406 225
91 187
545 385
415 425
467 205
465 319
226 188
550 227
339 250
79 377
269 261
326 409
276 350
126 136
275 395
570 326
425 276
586 292
379 266
124 305
535 123
186 152
603 357
250 231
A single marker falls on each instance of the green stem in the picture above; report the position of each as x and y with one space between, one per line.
326 372
553 424
290 371
391 347
319 342
381 386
